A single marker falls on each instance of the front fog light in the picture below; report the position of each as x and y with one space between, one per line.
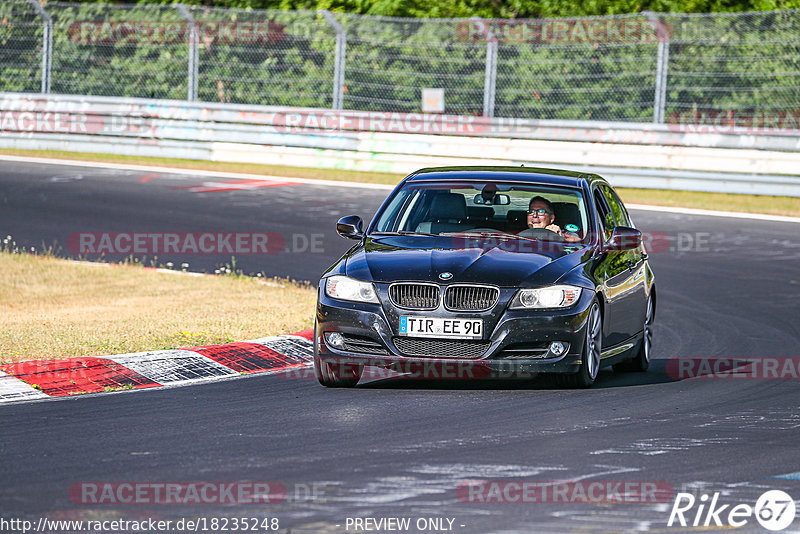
557 348
335 340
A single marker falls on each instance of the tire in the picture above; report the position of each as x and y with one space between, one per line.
336 373
592 348
641 362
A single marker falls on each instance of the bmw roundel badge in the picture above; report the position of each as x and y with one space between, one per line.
446 276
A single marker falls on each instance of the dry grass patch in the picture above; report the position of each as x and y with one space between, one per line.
788 206
286 171
53 308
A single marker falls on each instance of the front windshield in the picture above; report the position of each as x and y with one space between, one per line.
447 208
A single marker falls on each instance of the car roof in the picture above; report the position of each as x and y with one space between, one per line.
537 175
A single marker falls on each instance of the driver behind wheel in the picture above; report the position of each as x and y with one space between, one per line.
541 215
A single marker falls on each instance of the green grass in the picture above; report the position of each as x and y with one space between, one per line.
772 205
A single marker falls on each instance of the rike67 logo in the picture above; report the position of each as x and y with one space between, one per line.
774 510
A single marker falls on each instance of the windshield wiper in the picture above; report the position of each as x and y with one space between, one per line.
498 234
403 232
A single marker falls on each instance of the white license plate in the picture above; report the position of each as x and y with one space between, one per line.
441 327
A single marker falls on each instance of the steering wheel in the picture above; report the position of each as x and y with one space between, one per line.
542 234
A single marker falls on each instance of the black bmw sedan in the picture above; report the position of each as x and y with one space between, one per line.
492 271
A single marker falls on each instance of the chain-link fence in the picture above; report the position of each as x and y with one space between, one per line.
747 62
94 52
648 67
264 57
22 46
389 61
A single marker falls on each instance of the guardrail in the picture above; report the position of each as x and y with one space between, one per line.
628 154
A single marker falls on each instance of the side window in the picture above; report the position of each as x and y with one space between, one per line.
620 214
604 212
389 215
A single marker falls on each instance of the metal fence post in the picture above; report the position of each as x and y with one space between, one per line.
662 60
338 62
194 38
490 76
47 44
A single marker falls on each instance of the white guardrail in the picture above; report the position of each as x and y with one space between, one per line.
681 157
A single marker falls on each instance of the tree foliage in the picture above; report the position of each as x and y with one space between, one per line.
502 8
735 62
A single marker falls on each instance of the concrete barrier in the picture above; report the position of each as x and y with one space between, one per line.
631 155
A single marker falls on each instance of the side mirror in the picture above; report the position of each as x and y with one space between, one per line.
624 238
350 227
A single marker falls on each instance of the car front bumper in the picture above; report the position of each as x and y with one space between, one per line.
516 329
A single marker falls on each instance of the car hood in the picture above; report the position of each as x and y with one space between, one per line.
501 262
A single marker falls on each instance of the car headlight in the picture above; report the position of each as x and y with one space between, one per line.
546 297
346 288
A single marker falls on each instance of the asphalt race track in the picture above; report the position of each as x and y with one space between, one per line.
43 205
393 447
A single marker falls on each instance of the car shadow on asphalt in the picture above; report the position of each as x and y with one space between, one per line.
657 374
